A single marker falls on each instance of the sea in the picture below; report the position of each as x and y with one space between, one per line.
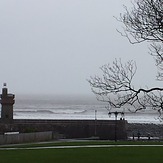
69 107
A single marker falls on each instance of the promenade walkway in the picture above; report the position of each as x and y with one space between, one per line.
80 146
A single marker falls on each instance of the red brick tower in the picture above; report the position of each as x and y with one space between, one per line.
7 101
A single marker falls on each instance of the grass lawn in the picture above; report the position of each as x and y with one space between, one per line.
84 155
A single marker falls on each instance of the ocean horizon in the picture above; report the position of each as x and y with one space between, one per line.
74 107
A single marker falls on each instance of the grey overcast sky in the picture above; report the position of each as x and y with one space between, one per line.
53 46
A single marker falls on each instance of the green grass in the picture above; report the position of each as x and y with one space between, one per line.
85 155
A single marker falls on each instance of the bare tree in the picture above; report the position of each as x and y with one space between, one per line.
115 87
143 23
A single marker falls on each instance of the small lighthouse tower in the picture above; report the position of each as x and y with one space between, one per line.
7 101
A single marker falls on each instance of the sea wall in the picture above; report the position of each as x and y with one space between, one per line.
25 137
104 129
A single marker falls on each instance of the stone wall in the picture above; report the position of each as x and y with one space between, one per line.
25 137
104 129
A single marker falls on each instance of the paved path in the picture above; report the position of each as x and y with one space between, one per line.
82 146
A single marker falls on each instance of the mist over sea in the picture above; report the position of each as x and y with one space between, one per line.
73 107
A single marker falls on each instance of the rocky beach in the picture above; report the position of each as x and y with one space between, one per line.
145 130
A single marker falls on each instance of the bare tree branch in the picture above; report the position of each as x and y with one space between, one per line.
144 22
115 87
